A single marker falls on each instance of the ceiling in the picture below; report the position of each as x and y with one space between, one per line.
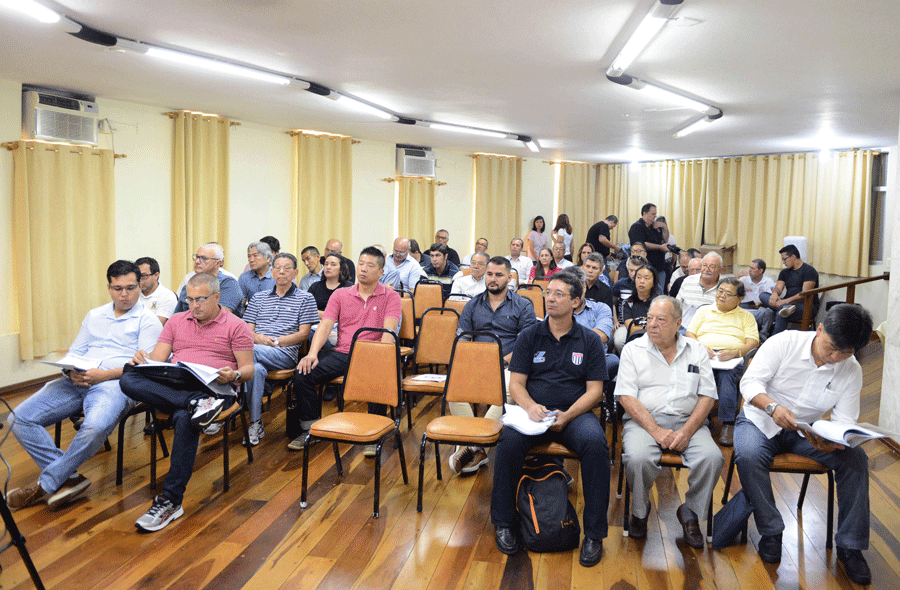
790 76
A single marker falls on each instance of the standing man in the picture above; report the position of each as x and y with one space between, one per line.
209 259
155 297
755 284
666 386
366 304
210 335
557 368
521 264
310 257
441 269
259 276
110 334
280 320
473 284
599 236
643 230
408 270
481 245
794 278
443 237
799 376
335 246
699 290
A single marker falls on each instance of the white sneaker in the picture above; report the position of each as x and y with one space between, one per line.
787 311
213 428
255 432
207 410
159 516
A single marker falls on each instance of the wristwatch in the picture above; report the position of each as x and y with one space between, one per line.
237 376
770 409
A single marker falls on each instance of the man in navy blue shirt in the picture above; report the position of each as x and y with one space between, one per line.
557 367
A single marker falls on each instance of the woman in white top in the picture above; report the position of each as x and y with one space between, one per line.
563 233
536 239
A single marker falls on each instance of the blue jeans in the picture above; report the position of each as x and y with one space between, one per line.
781 323
586 437
265 359
612 365
728 386
104 405
753 454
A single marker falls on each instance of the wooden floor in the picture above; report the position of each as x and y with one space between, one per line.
257 536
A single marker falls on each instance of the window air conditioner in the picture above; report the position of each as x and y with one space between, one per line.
415 161
59 118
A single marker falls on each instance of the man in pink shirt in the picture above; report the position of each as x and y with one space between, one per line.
366 304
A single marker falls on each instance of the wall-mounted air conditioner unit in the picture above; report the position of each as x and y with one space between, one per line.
415 161
56 117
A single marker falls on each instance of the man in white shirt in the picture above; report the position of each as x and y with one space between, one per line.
699 290
559 252
481 245
521 264
666 386
755 284
473 284
797 377
408 270
155 297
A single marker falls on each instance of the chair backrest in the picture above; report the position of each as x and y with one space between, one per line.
427 294
435 339
476 371
542 282
536 294
466 271
374 372
408 321
456 305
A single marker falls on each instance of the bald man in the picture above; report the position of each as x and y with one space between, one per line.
334 245
407 268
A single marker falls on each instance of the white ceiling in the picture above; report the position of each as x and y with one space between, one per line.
793 75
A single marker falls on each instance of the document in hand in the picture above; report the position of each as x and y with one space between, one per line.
843 433
207 375
516 417
73 362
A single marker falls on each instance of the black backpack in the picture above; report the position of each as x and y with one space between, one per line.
547 520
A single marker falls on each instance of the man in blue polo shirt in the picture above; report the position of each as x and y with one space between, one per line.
557 367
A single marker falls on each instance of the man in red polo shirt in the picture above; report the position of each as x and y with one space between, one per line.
366 304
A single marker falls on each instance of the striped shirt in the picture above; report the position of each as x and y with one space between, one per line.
276 316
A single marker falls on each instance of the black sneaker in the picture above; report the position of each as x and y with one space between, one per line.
855 565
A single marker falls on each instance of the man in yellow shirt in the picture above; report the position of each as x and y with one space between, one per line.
728 332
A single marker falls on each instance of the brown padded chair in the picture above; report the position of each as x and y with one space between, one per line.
434 346
455 304
475 376
536 294
427 295
374 377
541 282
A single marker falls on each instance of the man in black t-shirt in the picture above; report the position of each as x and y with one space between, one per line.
599 237
642 230
794 278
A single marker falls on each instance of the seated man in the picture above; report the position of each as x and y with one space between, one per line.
755 284
700 290
594 288
368 303
154 296
310 257
390 277
109 334
684 257
520 263
471 284
335 246
441 269
666 386
208 259
799 376
559 253
728 332
794 278
505 314
637 249
481 245
597 317
693 268
557 367
259 276
210 335
408 270
280 320
443 237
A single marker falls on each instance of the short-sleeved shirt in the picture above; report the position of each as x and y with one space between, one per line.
114 340
445 277
309 278
351 312
601 228
511 317
467 285
596 316
322 294
229 293
161 302
600 293
723 330
752 290
641 232
251 284
636 310
409 271
558 370
622 291
212 344
794 279
276 316
693 296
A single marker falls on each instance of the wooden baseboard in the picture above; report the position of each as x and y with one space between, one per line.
25 386
891 444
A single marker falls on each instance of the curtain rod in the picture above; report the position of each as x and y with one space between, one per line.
12 145
436 182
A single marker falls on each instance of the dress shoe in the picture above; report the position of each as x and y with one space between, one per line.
691 527
70 490
787 311
506 540
637 528
770 548
855 565
591 552
24 497
726 435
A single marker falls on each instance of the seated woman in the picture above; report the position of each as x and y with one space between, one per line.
545 266
585 249
637 305
334 276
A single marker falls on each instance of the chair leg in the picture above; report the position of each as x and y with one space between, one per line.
247 436
340 398
156 429
829 542
615 435
120 451
421 470
408 413
803 491
305 472
402 456
437 459
377 477
16 538
621 477
228 422
626 509
709 521
58 437
337 460
728 478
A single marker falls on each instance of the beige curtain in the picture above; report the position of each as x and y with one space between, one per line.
63 240
417 209
577 199
498 200
199 186
685 202
612 198
322 190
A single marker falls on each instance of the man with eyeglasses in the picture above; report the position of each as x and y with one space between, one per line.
259 276
155 297
108 338
471 284
699 290
408 270
728 332
480 246
636 249
798 376
557 370
209 259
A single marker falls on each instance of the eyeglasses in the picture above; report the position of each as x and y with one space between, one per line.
143 276
203 259
283 268
192 300
725 293
119 289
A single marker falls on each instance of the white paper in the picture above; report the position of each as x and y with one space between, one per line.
73 362
516 417
843 433
725 365
430 377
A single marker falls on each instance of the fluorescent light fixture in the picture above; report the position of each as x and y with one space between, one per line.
32 9
217 66
532 145
673 97
301 84
470 130
646 31
695 125
123 45
365 107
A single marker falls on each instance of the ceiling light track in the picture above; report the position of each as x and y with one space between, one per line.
220 66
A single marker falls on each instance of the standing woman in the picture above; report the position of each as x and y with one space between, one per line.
545 266
563 233
536 238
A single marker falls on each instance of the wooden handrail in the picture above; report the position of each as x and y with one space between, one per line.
851 295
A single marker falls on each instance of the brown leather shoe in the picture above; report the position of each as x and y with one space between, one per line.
637 529
726 435
24 497
691 526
